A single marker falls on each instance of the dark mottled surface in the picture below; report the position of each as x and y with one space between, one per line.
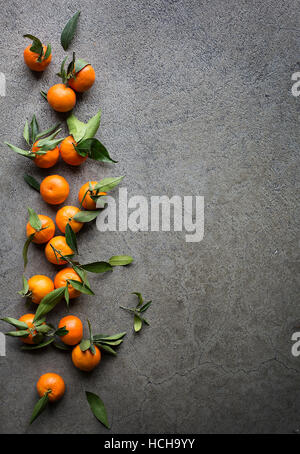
196 100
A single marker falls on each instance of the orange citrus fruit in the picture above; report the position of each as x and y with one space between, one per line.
88 203
31 59
54 189
84 79
53 383
85 360
46 160
60 244
43 236
74 326
64 216
40 286
61 98
61 278
28 319
68 152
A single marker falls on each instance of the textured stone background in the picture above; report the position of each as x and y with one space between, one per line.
196 100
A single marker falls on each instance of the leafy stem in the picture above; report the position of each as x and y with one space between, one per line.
137 312
38 48
43 334
103 341
31 134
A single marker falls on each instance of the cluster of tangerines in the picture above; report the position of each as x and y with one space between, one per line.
70 281
79 77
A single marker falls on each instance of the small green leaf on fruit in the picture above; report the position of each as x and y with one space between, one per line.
34 220
86 216
49 302
85 345
71 238
83 288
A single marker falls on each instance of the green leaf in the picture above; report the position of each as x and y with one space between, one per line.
39 407
18 150
113 343
40 321
25 290
21 333
62 72
34 220
49 302
139 295
103 337
76 128
43 329
47 132
67 296
50 136
137 323
128 309
14 322
79 64
25 249
97 267
36 347
107 184
71 238
83 288
26 133
82 274
32 37
48 52
146 306
85 344
144 320
98 152
61 331
120 260
34 128
48 144
97 407
92 126
44 94
32 182
69 31
36 46
71 67
94 149
91 336
86 216
107 348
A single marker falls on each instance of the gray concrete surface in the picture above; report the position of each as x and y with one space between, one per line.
196 100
